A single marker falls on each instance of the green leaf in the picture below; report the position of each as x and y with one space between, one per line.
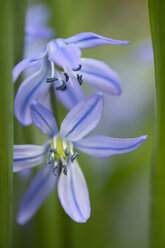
157 23
6 123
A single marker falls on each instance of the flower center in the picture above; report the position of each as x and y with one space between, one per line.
61 153
63 75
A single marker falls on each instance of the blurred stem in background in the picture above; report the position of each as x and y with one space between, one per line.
19 8
18 21
6 124
157 23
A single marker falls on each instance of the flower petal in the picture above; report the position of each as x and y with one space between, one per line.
43 119
46 102
73 193
83 118
40 188
28 156
102 146
37 32
25 174
101 76
26 63
34 88
70 97
66 56
88 40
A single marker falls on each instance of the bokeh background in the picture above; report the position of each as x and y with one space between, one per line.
119 187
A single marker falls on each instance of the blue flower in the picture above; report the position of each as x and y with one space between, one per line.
60 64
37 17
62 167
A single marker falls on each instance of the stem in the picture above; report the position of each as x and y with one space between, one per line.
157 24
52 226
19 9
6 124
64 223
19 31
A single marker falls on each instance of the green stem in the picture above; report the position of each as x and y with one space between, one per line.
157 23
65 228
6 124
52 227
19 9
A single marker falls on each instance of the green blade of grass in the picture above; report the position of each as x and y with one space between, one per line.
157 224
6 124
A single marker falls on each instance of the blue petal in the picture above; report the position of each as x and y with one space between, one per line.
88 40
66 56
70 97
27 63
36 32
38 15
40 188
28 156
43 119
83 118
102 146
34 88
101 76
25 174
73 193
46 102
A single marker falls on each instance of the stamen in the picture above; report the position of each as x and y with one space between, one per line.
78 68
66 76
62 87
55 172
54 140
74 156
50 160
65 170
70 78
51 80
79 78
52 150
52 69
67 153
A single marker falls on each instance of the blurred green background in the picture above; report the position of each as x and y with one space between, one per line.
119 186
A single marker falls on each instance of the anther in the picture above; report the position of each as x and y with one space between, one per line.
79 78
74 156
67 153
66 76
54 171
52 150
50 160
62 87
51 80
78 68
64 169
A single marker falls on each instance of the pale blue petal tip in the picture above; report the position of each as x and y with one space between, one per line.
144 137
126 43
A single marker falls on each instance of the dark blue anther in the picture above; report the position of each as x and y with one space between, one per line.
52 150
78 68
66 76
55 173
64 169
79 78
74 156
62 87
51 80
67 153
50 160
